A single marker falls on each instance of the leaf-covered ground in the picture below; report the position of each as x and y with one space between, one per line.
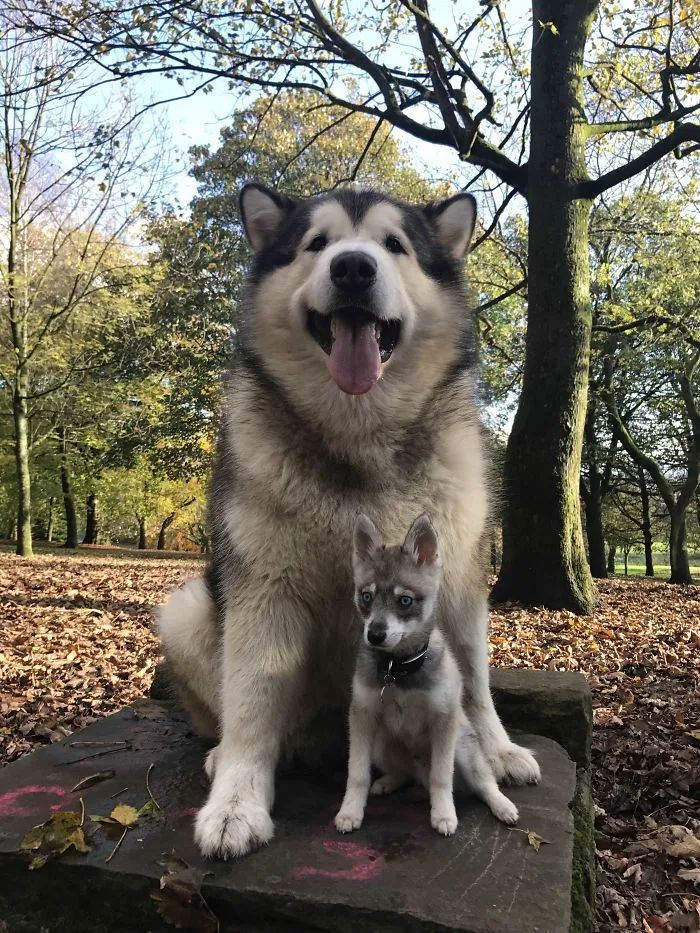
76 643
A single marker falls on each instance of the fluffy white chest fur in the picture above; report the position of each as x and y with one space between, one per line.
417 734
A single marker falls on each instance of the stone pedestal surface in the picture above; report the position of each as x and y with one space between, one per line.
395 873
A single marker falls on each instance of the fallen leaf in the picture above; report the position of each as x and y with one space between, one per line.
124 814
93 779
148 809
179 900
656 924
690 874
534 840
61 832
687 848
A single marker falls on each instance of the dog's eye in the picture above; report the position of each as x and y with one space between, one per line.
406 601
393 244
317 244
366 597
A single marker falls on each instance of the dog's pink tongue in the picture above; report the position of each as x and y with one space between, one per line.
354 363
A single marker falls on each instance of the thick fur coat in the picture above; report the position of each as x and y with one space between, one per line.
318 425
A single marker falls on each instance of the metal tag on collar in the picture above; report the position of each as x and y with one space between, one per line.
389 679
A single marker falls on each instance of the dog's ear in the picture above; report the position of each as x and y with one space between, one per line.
262 211
421 541
454 220
367 539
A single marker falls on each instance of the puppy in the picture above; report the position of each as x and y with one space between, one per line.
406 713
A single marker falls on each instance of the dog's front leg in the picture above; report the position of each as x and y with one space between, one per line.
467 627
443 736
363 725
262 671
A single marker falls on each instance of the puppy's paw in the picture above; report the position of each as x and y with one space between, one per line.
348 819
232 830
210 762
514 764
444 823
504 809
387 784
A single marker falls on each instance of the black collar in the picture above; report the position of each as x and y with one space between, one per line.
389 666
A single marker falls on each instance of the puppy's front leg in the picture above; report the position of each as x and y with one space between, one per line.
262 669
363 724
444 731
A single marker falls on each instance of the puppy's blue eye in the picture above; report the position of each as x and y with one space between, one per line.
393 244
406 601
366 597
317 244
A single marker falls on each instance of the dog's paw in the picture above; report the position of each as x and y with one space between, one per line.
504 809
514 764
443 822
347 820
387 784
229 831
210 762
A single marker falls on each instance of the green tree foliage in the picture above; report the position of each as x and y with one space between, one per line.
608 90
648 348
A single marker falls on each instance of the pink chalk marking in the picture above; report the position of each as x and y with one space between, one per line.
9 805
190 811
368 862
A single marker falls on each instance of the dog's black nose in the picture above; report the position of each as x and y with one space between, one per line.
376 636
353 272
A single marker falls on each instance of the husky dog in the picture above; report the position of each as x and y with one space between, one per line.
352 390
406 713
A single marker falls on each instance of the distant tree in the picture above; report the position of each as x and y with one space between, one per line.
607 91
63 209
649 345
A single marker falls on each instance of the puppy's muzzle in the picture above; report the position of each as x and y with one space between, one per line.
376 635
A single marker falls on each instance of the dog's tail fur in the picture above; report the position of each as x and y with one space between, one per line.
189 635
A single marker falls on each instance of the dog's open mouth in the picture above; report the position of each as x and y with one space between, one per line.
358 345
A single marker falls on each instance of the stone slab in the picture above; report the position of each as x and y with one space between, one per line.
555 704
395 873
552 703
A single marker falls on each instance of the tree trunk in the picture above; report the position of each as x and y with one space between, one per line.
91 521
627 554
24 491
167 522
646 523
68 500
49 521
680 565
143 544
611 558
544 559
594 532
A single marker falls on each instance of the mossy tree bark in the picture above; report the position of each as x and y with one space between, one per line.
595 488
646 523
544 560
68 498
91 520
142 542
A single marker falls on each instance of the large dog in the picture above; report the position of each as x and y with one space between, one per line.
352 391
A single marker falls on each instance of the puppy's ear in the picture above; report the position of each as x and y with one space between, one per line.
421 541
454 220
262 212
367 539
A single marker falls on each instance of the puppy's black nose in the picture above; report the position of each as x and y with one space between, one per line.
353 272
376 636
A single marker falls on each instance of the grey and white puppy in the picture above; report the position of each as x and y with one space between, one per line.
406 713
